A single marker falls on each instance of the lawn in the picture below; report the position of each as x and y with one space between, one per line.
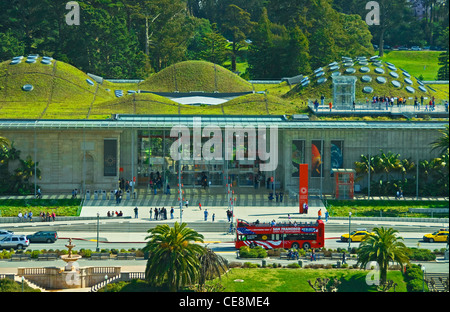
372 208
61 207
417 63
296 280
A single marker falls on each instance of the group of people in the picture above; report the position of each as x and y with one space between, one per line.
278 196
159 213
25 216
117 214
45 216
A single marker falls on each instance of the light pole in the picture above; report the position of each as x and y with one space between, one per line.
349 231
98 226
423 278
23 281
106 283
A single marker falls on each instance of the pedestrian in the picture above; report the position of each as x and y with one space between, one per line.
199 206
171 213
53 216
30 216
187 204
326 216
319 214
156 213
306 208
313 255
136 212
344 258
206 214
213 217
330 105
151 213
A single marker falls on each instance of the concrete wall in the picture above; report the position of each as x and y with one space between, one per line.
60 153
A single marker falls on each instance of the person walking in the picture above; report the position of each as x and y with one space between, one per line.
326 216
151 213
171 213
136 212
319 214
206 214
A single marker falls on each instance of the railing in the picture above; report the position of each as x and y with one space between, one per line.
126 276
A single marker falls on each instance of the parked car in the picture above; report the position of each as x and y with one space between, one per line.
416 48
386 47
14 242
43 237
356 236
4 233
403 48
438 236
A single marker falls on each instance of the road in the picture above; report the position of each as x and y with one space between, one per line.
132 233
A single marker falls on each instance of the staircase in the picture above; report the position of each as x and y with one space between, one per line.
210 197
436 278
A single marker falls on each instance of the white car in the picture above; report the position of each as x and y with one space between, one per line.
416 48
14 242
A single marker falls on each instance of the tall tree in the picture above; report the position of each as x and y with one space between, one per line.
236 28
214 47
443 72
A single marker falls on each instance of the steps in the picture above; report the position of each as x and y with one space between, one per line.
207 199
438 284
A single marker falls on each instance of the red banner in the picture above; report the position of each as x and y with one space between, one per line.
303 186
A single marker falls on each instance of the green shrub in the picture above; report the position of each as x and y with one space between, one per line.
293 265
250 265
421 254
257 252
35 254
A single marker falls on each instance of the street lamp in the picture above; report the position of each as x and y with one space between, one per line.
349 231
106 281
98 225
423 278
23 281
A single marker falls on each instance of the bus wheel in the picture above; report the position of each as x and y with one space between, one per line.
307 246
295 246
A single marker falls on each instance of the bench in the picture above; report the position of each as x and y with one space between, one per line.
20 257
126 256
337 255
47 257
319 255
100 256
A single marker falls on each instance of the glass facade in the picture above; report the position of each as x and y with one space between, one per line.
156 167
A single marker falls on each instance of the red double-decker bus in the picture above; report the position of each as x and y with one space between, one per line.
304 235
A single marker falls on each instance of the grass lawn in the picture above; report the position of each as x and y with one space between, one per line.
389 208
417 63
296 280
61 207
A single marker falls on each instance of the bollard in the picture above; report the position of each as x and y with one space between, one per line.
338 264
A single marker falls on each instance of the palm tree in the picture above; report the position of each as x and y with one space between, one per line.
212 265
384 246
173 256
4 142
442 142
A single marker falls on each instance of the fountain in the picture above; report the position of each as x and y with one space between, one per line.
69 277
70 258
